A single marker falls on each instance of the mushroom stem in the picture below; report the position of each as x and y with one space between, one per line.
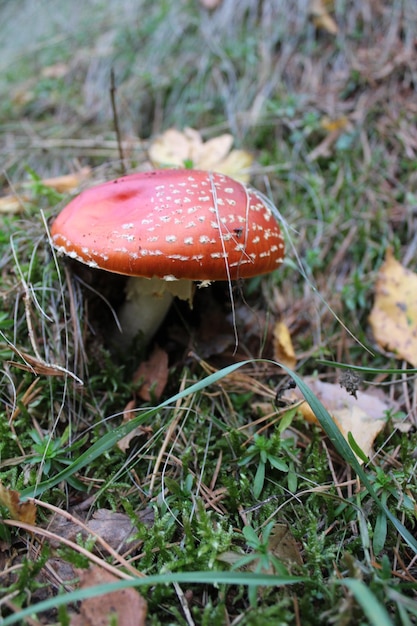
146 305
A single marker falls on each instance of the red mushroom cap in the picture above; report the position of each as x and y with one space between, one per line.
171 224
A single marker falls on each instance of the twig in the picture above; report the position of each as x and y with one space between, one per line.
116 121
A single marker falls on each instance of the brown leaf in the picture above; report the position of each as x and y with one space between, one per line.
128 414
336 124
153 375
21 511
283 545
319 12
393 318
57 70
210 4
40 368
362 416
283 348
12 203
67 182
125 607
115 529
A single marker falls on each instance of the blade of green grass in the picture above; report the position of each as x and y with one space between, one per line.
213 578
361 368
374 611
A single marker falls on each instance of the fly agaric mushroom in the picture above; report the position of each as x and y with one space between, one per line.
166 229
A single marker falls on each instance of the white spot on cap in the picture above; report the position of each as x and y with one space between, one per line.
170 239
178 257
219 255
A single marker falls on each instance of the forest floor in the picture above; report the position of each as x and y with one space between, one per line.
189 476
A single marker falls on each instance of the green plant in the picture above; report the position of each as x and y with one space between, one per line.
264 452
53 455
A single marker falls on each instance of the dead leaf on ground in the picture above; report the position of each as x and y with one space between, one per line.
283 348
363 416
393 318
283 545
68 182
115 529
176 149
128 414
319 10
124 607
57 70
21 511
13 203
153 375
210 4
335 124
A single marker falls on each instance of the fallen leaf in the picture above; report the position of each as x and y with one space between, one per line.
283 545
128 414
57 70
210 4
153 375
393 318
363 416
283 348
319 12
336 124
40 368
176 149
12 203
124 607
67 182
21 511
114 528
236 165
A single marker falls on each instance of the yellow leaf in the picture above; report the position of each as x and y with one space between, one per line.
282 344
393 318
237 165
319 11
175 149
22 511
336 124
12 203
67 182
213 151
362 416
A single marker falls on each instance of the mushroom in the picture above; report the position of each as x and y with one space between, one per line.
166 229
